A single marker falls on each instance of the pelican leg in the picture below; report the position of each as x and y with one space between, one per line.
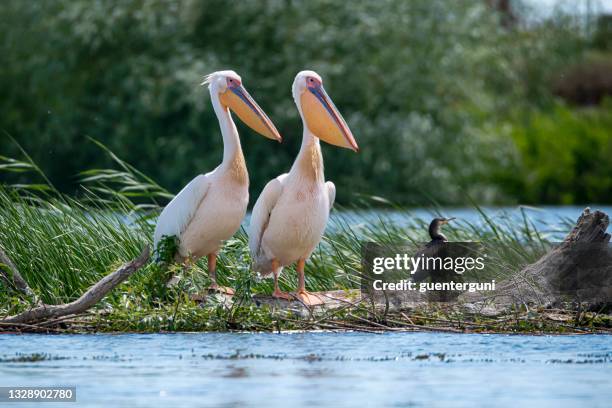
309 299
212 273
276 270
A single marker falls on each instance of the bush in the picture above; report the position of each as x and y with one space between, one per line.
565 156
417 82
602 38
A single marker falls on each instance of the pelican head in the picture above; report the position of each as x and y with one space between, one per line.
318 111
232 94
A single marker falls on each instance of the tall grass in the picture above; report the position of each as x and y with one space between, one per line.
62 245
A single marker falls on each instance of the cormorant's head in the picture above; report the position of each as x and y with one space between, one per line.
441 221
434 227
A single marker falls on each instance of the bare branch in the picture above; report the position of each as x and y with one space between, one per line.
93 295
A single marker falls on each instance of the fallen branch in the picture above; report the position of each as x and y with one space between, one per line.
92 296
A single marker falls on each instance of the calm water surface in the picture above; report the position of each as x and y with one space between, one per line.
545 218
552 222
316 369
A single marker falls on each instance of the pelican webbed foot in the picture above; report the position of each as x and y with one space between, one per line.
309 299
278 294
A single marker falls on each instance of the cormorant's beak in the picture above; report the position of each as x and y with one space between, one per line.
244 106
447 220
324 120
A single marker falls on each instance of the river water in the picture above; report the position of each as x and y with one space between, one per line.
315 369
548 218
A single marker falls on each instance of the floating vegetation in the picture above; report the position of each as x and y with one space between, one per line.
432 357
30 358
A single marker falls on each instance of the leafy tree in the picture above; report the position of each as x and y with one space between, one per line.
422 84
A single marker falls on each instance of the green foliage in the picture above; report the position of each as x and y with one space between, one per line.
565 156
419 82
167 248
602 39
155 285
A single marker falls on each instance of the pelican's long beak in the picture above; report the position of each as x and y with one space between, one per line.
324 120
244 106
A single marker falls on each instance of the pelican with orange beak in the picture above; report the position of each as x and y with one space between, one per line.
291 213
211 207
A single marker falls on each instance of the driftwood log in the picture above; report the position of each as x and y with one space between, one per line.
579 269
42 312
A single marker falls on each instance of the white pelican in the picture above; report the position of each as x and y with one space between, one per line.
291 213
211 207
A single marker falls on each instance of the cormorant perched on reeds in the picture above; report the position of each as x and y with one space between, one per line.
437 248
434 248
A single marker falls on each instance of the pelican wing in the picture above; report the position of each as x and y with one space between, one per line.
261 212
177 215
331 193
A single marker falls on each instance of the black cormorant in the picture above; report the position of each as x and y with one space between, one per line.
436 248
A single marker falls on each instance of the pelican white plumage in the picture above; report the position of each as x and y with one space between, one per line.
291 213
211 207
